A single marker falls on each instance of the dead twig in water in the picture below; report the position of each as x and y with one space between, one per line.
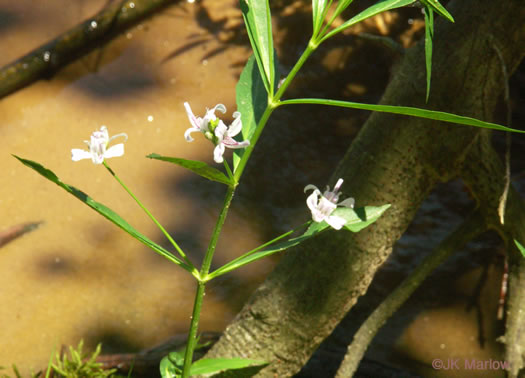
14 232
46 60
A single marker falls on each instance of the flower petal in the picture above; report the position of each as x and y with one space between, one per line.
349 202
335 221
310 186
232 143
78 154
312 203
193 120
117 136
187 133
218 152
219 107
236 126
220 131
114 151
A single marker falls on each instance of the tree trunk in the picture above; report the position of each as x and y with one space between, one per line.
395 160
484 175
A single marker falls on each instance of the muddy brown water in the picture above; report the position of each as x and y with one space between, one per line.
79 277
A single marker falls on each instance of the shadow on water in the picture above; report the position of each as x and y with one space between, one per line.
228 30
113 340
8 19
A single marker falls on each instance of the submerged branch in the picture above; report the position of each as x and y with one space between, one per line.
14 232
46 60
468 230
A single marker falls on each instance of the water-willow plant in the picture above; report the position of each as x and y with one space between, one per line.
258 95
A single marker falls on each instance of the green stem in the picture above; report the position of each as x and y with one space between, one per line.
272 104
228 170
225 268
192 336
216 232
312 45
203 278
151 217
253 141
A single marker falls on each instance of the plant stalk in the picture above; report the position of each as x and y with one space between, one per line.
273 102
168 236
192 335
203 278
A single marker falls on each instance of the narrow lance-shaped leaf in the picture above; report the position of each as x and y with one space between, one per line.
199 167
520 247
252 100
340 8
254 256
104 211
405 110
438 8
429 36
257 17
356 220
381 6
318 14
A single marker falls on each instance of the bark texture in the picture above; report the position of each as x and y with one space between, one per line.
469 229
395 160
483 173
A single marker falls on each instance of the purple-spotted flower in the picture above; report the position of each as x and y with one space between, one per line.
98 150
215 130
323 205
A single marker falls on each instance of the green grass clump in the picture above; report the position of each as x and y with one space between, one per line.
78 365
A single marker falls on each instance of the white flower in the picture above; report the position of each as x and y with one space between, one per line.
215 130
323 207
98 150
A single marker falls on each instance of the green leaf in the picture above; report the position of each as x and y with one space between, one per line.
379 7
340 8
215 365
440 9
199 167
254 255
252 100
257 17
405 110
520 247
318 7
104 211
169 369
356 219
429 36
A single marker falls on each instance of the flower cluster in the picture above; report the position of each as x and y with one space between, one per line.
215 130
323 205
98 150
